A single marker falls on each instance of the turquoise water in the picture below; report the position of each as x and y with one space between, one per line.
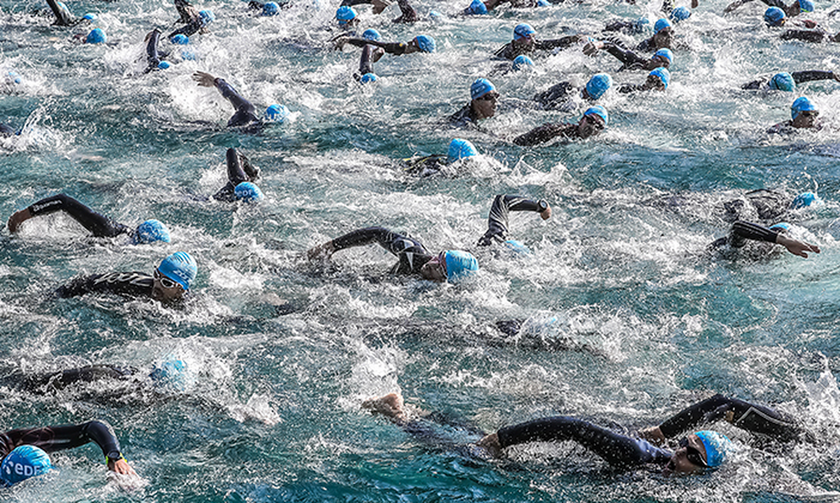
274 413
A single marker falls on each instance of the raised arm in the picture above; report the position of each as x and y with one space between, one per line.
497 225
746 230
562 42
396 48
62 15
811 75
544 133
408 14
391 241
98 225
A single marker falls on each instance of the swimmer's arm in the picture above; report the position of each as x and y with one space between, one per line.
62 16
497 224
543 134
408 14
748 230
626 56
629 88
98 225
804 35
562 42
359 237
204 79
775 3
365 63
378 5
619 26
811 75
707 411
396 48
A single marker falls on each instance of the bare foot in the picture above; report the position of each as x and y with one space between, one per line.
390 405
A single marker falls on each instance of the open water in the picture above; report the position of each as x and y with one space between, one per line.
274 411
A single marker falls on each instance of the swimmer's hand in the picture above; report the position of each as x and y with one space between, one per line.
379 6
653 435
339 42
592 48
121 466
809 24
321 252
546 213
124 475
204 79
799 248
836 76
18 218
491 444
695 4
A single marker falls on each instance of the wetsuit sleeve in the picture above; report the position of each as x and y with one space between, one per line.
98 225
804 35
756 84
152 56
744 415
811 75
629 88
775 3
245 110
62 379
617 450
561 43
396 48
56 438
408 14
189 29
366 62
506 52
544 133
746 230
497 225
129 284
62 16
412 253
626 56
619 26
555 93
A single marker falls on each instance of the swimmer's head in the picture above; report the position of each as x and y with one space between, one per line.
180 39
96 36
13 77
522 62
717 447
371 34
782 82
806 5
800 106
600 112
523 31
680 14
641 25
481 87
276 113
171 374
270 9
598 85
663 75
207 16
151 231
476 7
425 43
805 200
543 3
345 14
248 192
460 149
664 55
368 78
24 462
459 264
163 65
90 16
780 227
661 24
179 267
774 16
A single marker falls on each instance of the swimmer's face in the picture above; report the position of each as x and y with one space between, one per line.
690 458
805 119
485 106
166 290
524 42
657 61
590 125
435 269
654 82
412 46
662 39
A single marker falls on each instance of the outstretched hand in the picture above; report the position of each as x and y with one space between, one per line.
204 79
18 218
653 435
321 252
546 213
121 466
799 248
592 48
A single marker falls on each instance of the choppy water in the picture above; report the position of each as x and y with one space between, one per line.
274 414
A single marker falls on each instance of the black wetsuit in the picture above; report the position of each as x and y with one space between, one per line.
408 14
511 51
798 77
245 110
194 26
99 225
153 56
547 132
56 438
559 95
366 61
631 60
395 48
742 232
53 381
412 253
62 16
187 12
627 452
127 284
464 118
815 36
239 170
6 131
767 205
497 222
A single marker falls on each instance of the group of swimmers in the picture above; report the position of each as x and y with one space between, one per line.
25 451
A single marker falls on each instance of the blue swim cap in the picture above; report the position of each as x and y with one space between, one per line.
248 192
774 16
163 65
802 104
522 31
780 227
641 25
270 9
661 24
96 36
435 14
476 7
13 76
180 268
662 74
425 43
172 374
782 82
180 39
345 14
600 112
680 14
517 247
460 149
522 62
806 6
481 87
459 264
151 231
207 16
23 462
276 113
371 34
717 447
188 55
368 78
543 3
598 85
89 16
665 53
804 200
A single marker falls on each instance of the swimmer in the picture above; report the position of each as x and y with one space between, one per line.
25 451
420 43
169 284
657 80
430 165
594 121
99 225
241 175
803 115
7 131
814 36
407 12
559 95
525 42
245 111
448 265
767 206
788 81
197 20
742 232
498 222
154 58
268 8
631 61
347 18
63 17
482 105
663 33
796 8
